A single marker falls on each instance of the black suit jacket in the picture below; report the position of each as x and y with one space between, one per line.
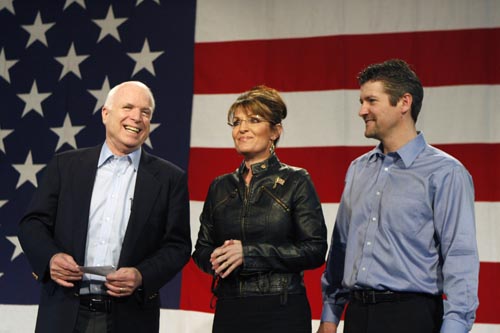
157 241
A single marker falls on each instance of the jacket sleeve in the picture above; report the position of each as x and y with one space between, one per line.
309 247
36 228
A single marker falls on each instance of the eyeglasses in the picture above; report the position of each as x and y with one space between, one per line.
251 121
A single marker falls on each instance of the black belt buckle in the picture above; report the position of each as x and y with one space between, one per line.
368 297
97 303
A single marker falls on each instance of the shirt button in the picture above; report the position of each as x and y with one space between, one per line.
363 269
368 243
386 169
374 219
378 192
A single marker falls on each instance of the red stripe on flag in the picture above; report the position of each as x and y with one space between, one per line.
196 292
328 165
456 57
482 161
489 293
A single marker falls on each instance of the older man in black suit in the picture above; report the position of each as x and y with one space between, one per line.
113 205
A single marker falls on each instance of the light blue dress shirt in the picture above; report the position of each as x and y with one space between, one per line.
110 206
406 223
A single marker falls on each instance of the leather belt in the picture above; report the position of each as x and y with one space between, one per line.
370 296
96 302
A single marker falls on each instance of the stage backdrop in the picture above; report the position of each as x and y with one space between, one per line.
58 59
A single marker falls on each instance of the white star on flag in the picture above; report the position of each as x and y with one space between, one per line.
18 249
5 66
33 100
140 1
69 2
144 59
28 171
3 134
71 62
100 95
7 4
37 30
3 202
67 133
152 127
109 25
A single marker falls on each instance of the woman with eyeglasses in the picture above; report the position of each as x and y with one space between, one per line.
261 227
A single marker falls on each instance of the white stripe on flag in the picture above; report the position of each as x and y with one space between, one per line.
330 118
225 20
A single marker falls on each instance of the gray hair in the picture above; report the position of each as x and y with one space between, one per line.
111 94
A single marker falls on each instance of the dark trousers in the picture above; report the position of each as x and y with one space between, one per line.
263 314
93 321
416 314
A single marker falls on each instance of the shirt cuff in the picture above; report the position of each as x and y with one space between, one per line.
331 313
453 326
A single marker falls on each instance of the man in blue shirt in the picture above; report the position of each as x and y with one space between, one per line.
403 252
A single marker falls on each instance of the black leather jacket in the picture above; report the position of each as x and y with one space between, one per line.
278 219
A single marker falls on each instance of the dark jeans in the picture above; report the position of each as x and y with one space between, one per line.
418 314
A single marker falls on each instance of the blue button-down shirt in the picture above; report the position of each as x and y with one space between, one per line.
406 223
109 210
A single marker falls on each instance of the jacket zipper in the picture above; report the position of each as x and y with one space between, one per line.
245 210
278 200
231 195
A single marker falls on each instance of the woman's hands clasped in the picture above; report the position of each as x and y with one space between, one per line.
227 257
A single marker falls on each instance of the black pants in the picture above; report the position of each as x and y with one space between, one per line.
93 322
417 314
263 314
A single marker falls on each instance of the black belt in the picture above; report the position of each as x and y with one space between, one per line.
370 296
97 303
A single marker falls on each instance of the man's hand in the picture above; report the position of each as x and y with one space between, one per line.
227 257
63 270
123 282
327 327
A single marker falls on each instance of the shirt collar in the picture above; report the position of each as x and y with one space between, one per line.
408 153
412 149
106 154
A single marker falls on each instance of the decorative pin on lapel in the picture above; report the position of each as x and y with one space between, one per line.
280 181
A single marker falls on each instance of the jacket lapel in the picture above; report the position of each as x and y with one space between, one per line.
145 194
84 184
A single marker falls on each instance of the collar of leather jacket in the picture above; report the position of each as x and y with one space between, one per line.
261 167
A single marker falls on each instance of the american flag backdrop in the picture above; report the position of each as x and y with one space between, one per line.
58 59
